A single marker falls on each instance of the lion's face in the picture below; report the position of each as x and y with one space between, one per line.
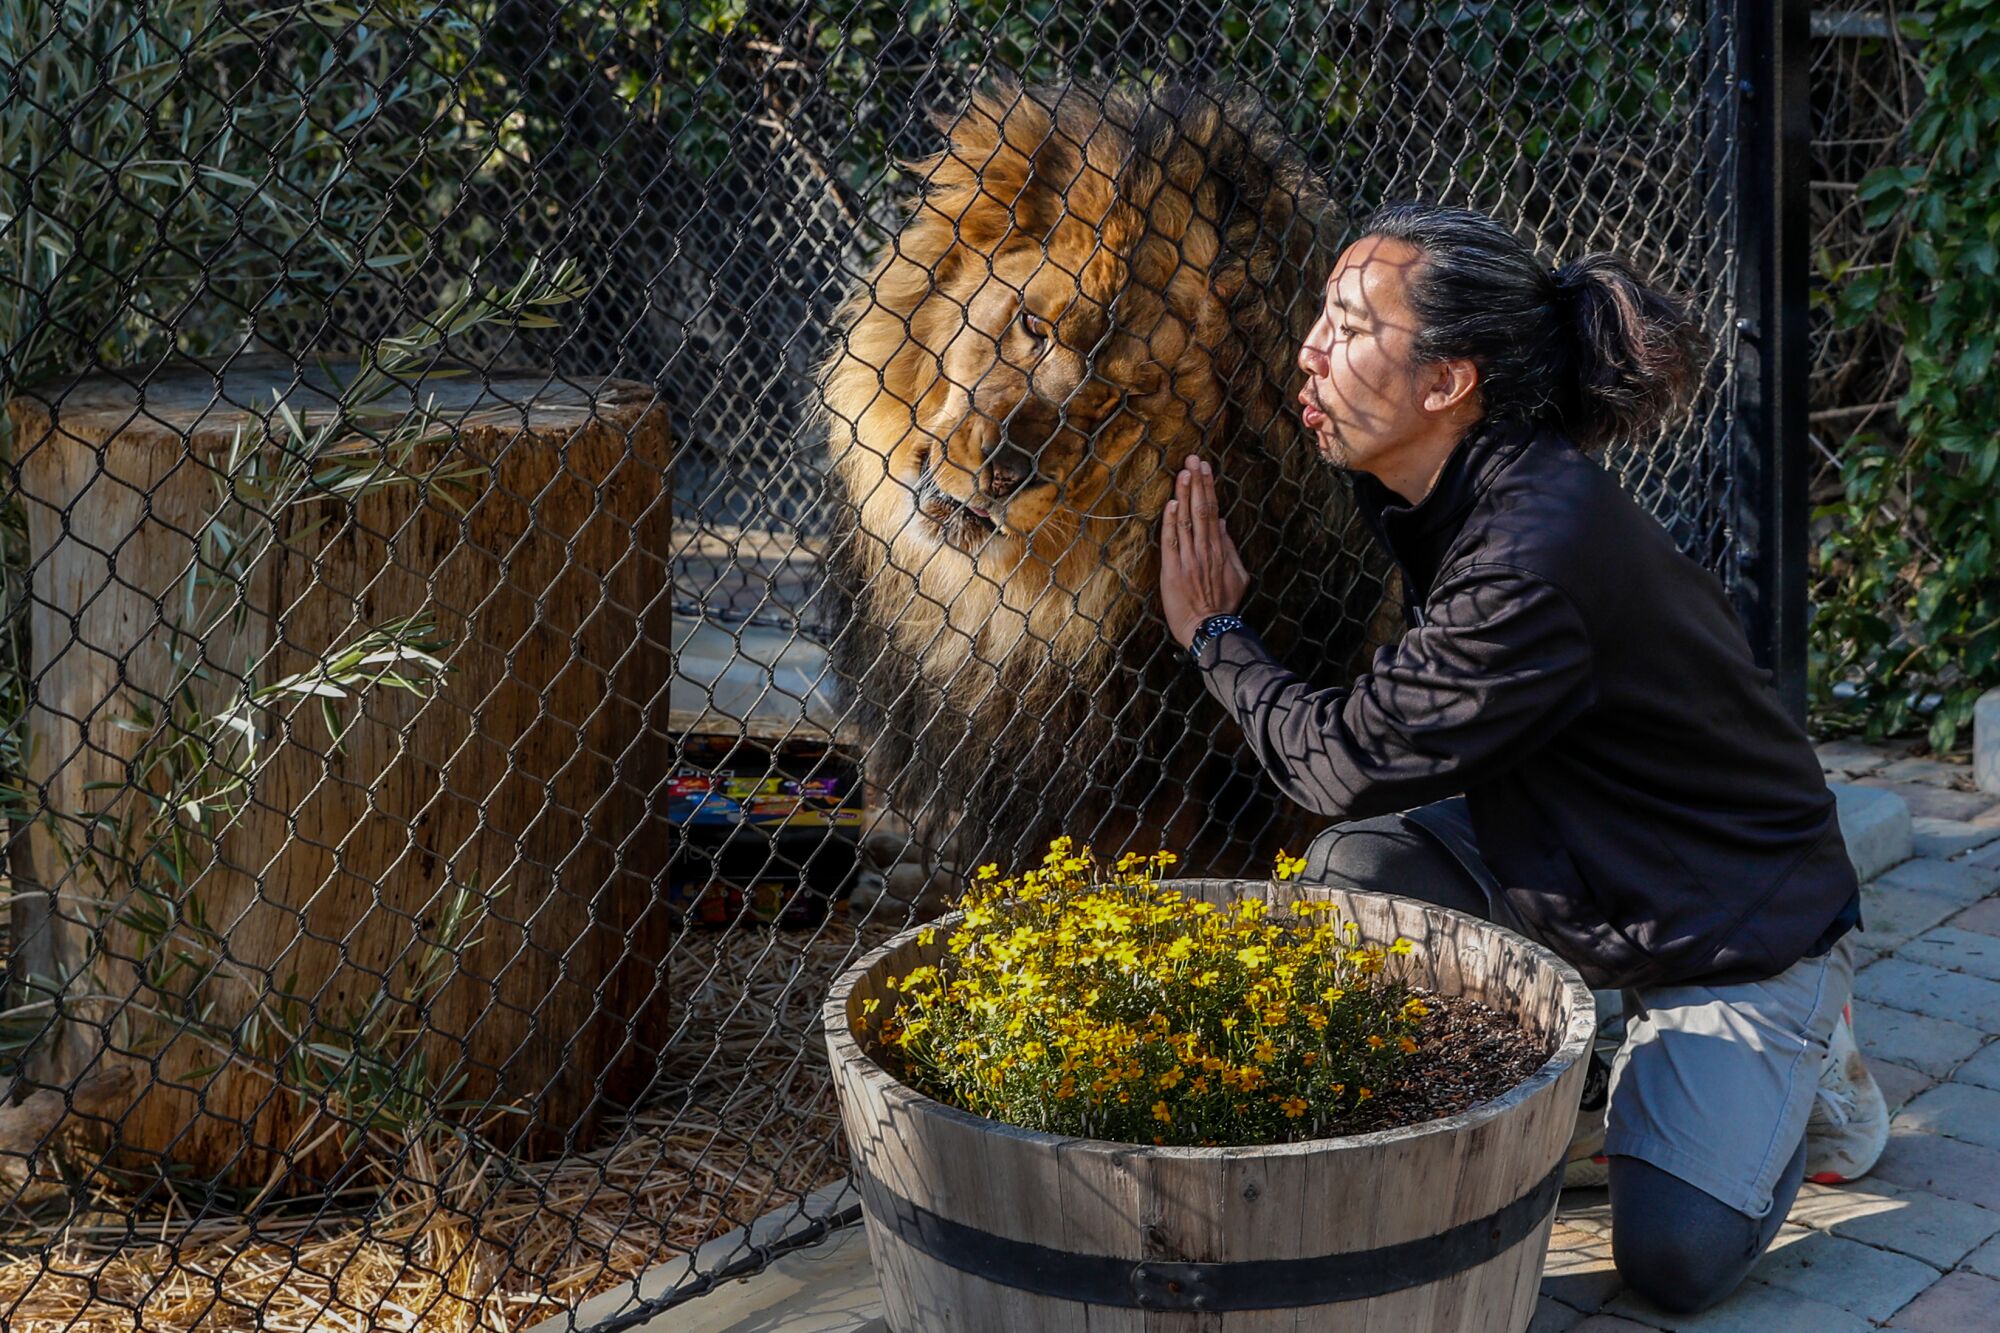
1043 406
1041 356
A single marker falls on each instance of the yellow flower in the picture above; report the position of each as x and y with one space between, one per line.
1253 956
1161 1113
1294 1106
1415 1008
1264 1052
1375 1043
1289 867
1409 1047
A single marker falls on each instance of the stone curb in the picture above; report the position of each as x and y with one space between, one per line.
1876 825
1986 742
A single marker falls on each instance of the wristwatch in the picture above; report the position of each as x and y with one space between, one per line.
1212 628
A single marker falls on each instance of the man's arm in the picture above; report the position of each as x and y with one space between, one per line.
1503 663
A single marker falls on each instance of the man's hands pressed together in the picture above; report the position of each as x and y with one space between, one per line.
1201 575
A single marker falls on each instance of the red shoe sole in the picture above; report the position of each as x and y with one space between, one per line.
1832 1178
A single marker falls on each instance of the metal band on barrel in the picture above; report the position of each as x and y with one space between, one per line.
1252 1284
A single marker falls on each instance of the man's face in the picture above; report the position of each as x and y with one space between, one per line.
1361 400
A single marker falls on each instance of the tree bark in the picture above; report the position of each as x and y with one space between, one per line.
527 776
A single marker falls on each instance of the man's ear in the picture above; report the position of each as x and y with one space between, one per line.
1450 383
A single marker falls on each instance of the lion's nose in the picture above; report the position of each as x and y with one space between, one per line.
1005 471
999 481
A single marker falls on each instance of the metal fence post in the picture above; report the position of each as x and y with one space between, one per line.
1769 95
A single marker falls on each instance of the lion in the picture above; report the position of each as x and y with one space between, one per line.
1095 282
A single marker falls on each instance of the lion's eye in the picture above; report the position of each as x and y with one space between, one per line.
1036 327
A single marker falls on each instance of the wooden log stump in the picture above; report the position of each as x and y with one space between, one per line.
527 777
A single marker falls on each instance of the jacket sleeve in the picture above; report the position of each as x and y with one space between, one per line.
1503 660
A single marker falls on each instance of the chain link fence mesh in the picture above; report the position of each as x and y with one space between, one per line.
457 723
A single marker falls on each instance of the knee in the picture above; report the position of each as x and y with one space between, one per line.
1679 1248
1357 854
1674 1270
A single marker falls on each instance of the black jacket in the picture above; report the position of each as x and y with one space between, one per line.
1653 812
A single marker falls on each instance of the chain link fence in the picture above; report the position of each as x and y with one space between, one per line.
493 622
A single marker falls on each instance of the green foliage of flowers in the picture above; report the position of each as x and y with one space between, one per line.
1108 1004
1911 598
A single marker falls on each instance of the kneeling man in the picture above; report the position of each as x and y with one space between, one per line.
1571 738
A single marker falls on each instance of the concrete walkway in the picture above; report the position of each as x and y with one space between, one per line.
1916 1245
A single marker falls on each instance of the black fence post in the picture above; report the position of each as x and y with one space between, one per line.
1767 88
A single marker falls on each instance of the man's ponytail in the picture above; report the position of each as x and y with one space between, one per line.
1590 347
1636 351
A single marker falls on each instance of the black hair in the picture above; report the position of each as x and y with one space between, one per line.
1590 346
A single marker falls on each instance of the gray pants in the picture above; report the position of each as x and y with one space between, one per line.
1674 1242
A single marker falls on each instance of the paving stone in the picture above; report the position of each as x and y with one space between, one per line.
1982 917
1825 1207
1959 1303
1611 1323
1933 1046
1585 1210
1928 802
1966 880
1958 1110
1938 1165
1985 1259
1870 1282
1892 917
1753 1308
1915 988
1579 1271
1897 1082
1982 1070
1937 1230
1553 1317
1956 950
1950 837
1936 772
1929 769
1853 756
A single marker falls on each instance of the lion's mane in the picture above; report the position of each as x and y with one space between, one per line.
1013 673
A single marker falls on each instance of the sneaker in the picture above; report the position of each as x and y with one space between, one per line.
1849 1125
1587 1167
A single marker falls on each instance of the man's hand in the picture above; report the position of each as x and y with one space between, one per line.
1201 574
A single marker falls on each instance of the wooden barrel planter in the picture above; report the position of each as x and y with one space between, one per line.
978 1226
529 777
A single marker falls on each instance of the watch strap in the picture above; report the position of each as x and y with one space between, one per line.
1214 627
